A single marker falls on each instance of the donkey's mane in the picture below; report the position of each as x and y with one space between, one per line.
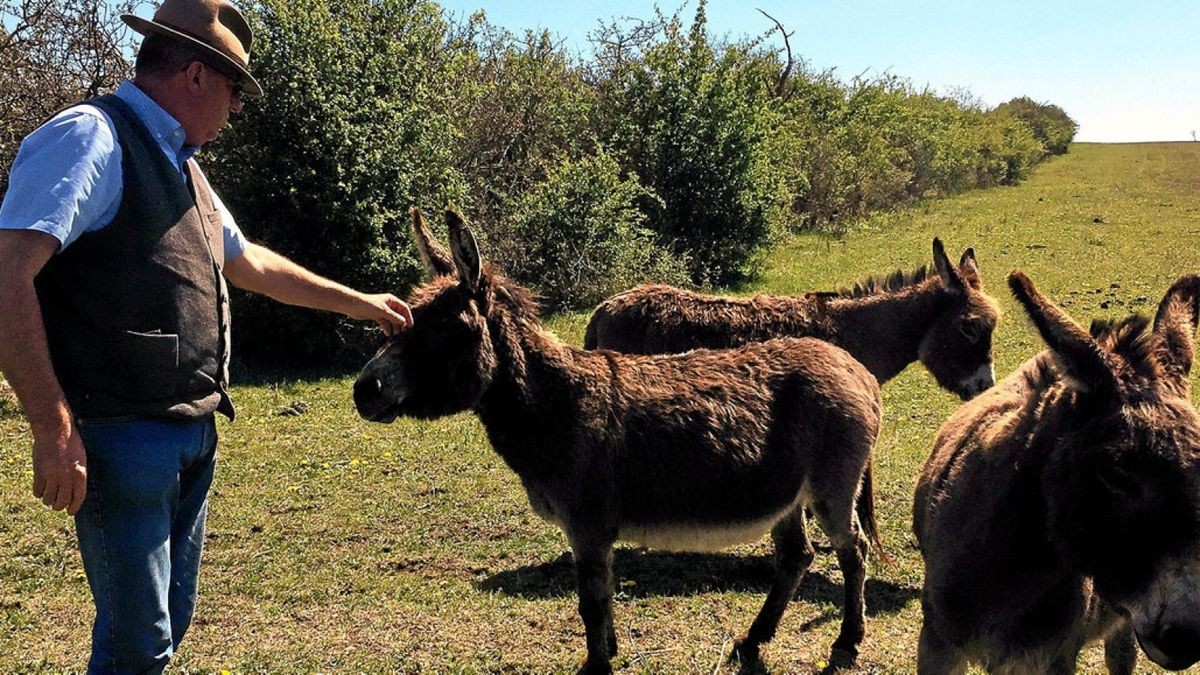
1127 338
890 283
519 300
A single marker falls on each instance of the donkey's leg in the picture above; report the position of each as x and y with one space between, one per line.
1120 651
793 554
593 571
935 657
840 522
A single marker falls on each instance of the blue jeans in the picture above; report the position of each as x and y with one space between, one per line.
141 528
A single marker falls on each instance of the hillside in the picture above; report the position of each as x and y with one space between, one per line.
336 545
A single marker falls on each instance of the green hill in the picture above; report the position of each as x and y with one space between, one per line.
336 545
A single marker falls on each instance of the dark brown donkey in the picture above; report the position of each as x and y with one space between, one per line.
1063 505
685 452
944 319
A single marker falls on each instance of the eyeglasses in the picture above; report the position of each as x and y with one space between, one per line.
239 89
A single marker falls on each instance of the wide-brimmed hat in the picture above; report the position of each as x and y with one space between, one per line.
215 27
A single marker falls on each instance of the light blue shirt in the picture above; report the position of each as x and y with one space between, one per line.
67 180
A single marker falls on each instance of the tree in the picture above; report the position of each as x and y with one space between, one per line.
54 53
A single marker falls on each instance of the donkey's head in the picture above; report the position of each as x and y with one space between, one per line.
445 362
1122 486
957 346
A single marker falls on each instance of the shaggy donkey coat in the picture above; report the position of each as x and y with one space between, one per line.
1063 505
686 452
944 319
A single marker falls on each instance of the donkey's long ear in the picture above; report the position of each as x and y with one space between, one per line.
1083 358
1175 329
951 279
968 267
437 260
465 249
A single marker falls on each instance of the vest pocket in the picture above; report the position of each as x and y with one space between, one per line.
152 360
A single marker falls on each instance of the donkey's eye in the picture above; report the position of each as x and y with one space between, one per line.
970 331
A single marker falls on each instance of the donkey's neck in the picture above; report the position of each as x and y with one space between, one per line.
884 330
538 395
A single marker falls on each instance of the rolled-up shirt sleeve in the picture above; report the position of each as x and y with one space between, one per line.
66 177
235 242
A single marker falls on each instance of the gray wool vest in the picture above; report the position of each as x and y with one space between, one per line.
137 313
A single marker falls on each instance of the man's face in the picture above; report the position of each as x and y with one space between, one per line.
218 95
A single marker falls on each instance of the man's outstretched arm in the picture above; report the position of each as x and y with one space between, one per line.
261 270
59 462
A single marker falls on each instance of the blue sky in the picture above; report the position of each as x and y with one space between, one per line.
1125 70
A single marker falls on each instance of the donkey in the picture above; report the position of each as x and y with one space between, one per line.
944 319
1063 506
684 452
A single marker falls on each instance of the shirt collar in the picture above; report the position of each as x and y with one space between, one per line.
165 129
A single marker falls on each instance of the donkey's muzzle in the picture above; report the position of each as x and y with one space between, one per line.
370 401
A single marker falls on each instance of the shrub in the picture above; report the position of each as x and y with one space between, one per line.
579 236
353 129
520 107
1050 124
689 121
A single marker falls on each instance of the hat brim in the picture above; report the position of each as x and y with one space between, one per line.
146 26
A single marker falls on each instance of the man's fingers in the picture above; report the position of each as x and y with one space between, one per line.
62 497
400 308
51 494
78 488
39 486
77 496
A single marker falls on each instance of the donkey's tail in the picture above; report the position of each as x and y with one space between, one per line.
865 507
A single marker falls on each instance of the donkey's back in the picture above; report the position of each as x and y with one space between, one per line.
657 319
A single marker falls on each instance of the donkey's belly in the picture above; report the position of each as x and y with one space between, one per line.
713 536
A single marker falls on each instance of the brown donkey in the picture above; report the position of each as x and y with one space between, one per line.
685 452
944 319
1063 506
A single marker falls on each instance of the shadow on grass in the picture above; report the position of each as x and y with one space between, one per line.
640 573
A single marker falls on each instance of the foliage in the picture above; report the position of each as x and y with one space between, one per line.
519 107
690 120
354 128
1050 124
580 236
52 54
714 146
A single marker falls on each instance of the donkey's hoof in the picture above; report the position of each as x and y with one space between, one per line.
594 667
843 657
744 650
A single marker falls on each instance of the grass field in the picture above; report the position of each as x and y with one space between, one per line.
338 545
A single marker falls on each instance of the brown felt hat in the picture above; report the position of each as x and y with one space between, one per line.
216 27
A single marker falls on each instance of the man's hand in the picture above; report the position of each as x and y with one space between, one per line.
59 468
385 309
260 270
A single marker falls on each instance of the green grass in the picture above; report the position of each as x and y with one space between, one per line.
337 545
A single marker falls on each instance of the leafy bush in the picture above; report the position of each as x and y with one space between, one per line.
353 129
580 236
520 107
1050 124
690 122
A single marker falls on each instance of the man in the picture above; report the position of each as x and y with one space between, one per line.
114 319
